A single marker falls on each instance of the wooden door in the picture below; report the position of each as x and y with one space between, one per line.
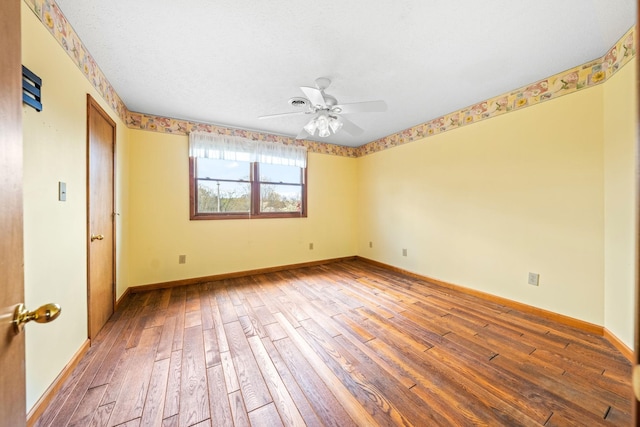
101 136
636 357
12 379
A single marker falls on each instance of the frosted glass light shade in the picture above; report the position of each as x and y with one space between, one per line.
335 124
311 127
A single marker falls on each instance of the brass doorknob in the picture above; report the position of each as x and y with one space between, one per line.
96 237
44 314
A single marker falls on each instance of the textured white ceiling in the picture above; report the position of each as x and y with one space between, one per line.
227 62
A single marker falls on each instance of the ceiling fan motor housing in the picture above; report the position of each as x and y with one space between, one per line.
329 100
327 111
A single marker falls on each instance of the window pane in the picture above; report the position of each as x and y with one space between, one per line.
214 196
280 173
223 169
280 198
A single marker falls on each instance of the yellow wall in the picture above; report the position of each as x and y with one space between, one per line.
54 231
484 205
161 229
620 115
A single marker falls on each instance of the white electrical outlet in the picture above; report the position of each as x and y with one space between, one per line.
310 246
404 252
534 279
370 244
182 259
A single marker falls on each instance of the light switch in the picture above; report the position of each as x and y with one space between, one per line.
62 191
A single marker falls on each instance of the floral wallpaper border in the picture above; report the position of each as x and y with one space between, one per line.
564 83
52 18
183 127
572 80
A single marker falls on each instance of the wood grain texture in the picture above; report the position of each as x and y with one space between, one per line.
12 346
194 398
344 344
172 395
154 403
636 344
101 143
132 397
254 389
218 400
282 399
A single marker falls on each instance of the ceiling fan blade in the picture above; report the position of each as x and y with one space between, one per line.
293 113
361 107
350 127
314 95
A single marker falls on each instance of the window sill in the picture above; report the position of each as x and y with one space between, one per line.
200 217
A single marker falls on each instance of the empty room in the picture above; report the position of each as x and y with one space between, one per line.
241 213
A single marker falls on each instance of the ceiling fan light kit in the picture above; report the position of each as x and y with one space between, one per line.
335 124
324 123
327 111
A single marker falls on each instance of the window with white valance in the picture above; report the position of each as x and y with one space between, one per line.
233 177
226 147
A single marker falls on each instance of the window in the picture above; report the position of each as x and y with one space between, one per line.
233 178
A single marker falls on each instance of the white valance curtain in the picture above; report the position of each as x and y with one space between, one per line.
225 147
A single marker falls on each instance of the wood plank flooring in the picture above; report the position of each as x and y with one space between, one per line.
343 344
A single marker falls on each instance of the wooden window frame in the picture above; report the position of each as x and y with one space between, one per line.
255 198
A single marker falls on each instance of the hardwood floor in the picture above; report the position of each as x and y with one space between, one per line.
342 344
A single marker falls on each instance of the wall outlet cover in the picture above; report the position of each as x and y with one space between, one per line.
534 279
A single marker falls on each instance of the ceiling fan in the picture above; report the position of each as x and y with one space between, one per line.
327 113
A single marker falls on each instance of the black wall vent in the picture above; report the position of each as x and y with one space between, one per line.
31 93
